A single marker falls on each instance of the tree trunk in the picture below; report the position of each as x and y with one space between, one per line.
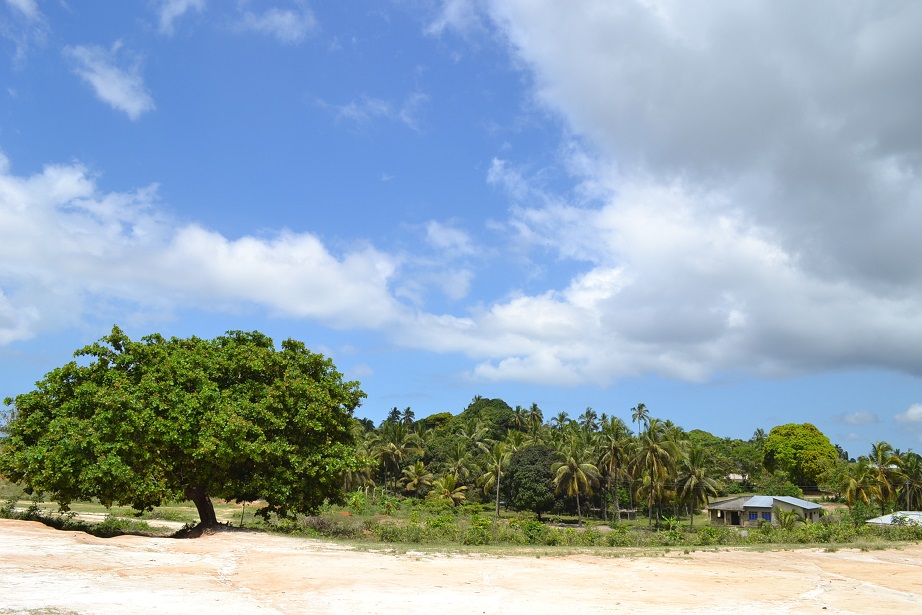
497 494
203 505
579 513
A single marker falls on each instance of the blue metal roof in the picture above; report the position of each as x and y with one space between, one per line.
768 501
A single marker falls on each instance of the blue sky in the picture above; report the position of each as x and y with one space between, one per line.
712 208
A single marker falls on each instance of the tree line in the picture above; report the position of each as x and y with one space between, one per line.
600 465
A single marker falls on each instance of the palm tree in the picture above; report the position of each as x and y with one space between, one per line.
695 484
613 444
391 445
858 484
575 475
407 416
589 420
885 464
515 441
459 460
416 479
447 488
639 413
788 519
656 462
911 485
560 420
474 430
519 418
535 421
495 460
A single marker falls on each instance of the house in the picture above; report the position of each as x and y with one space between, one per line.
903 517
751 510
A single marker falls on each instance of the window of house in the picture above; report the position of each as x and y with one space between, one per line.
767 516
753 516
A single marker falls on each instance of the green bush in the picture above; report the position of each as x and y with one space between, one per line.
479 533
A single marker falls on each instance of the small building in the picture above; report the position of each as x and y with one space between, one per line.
902 517
751 510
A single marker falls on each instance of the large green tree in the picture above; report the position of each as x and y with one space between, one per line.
801 450
529 479
142 422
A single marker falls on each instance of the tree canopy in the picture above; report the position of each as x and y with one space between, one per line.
801 450
142 422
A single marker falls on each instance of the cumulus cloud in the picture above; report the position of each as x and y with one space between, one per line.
288 26
749 185
913 414
116 82
65 245
171 10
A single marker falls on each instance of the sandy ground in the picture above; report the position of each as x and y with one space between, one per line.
239 572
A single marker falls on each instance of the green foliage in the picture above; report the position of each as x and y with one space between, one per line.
801 450
776 483
143 422
479 533
495 414
529 479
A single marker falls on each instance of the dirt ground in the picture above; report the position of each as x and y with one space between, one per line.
241 572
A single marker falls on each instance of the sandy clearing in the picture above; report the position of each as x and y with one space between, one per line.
252 573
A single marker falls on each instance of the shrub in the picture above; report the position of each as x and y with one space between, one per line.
479 533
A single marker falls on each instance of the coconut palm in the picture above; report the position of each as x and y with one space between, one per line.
788 519
515 441
911 485
613 445
416 479
393 444
447 489
576 474
656 458
695 484
560 420
639 413
858 484
519 418
535 422
459 460
589 420
885 464
495 458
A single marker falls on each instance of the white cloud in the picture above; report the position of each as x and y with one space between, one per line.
289 26
750 203
171 10
121 87
864 417
913 414
447 238
68 250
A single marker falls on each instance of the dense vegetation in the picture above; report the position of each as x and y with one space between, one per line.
598 466
492 473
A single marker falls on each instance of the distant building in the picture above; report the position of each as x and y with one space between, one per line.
751 510
902 517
